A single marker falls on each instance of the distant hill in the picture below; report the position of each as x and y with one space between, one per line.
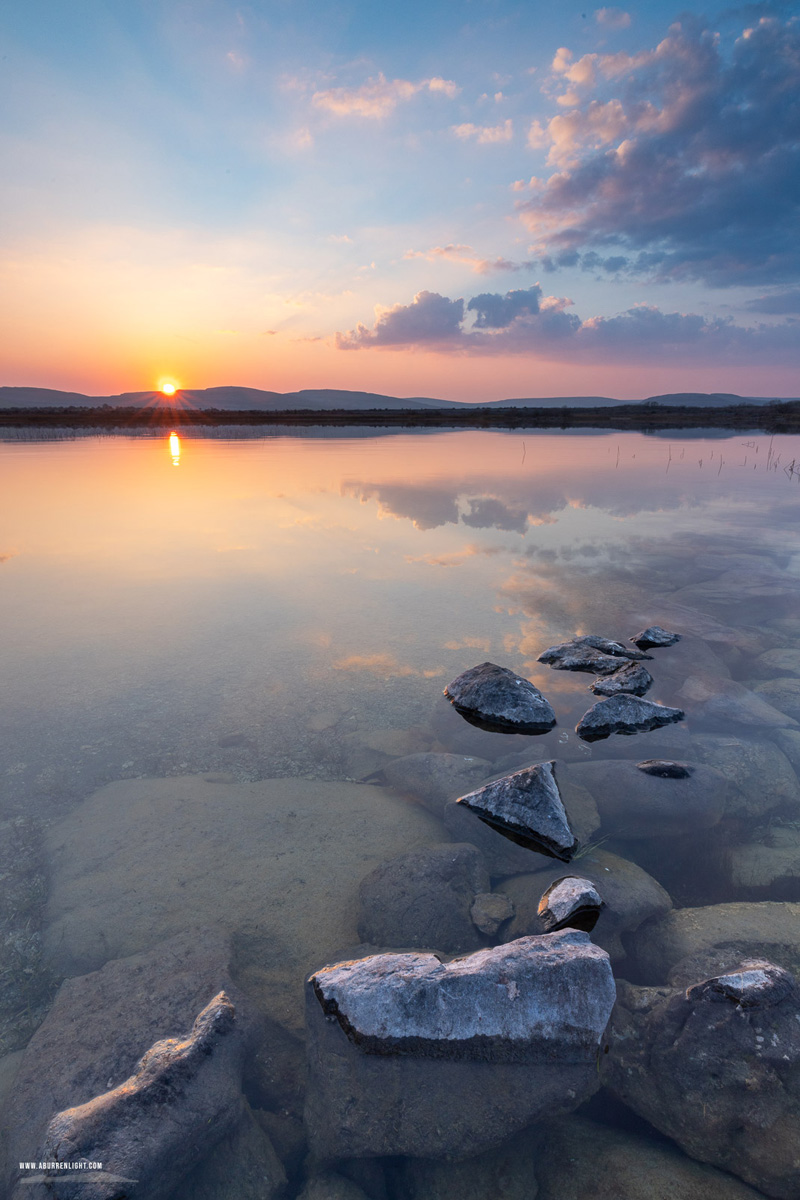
233 399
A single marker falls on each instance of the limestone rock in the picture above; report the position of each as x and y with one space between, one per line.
762 776
490 910
183 1097
505 857
631 896
412 1056
717 1069
782 694
654 636
496 699
285 856
632 678
433 779
578 1159
572 903
688 944
636 804
100 1025
527 804
624 714
589 653
424 898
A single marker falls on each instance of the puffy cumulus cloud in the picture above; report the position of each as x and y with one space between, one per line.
498 312
525 322
430 318
684 160
614 18
466 256
379 97
485 135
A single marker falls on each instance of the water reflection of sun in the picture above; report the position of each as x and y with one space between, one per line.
175 449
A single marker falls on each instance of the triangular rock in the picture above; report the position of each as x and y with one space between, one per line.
527 805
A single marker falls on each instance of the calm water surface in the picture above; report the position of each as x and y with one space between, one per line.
186 618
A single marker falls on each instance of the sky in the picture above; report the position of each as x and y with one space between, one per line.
470 200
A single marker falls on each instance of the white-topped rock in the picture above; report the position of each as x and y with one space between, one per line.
527 804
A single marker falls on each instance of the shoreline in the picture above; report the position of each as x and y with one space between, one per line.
769 418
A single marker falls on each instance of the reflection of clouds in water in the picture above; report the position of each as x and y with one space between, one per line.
456 558
425 507
6 557
384 665
470 643
485 512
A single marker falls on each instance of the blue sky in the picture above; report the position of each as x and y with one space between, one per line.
436 198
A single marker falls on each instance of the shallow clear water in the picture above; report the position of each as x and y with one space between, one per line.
290 608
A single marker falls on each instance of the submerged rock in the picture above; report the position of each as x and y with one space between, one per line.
774 860
589 653
717 1069
688 944
151 1129
780 661
244 1165
412 1056
433 779
633 678
788 741
631 896
782 694
528 805
641 804
131 1003
579 1159
490 910
572 903
653 637
762 777
424 899
496 699
728 702
664 768
624 714
507 1173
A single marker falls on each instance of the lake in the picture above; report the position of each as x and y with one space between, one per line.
220 655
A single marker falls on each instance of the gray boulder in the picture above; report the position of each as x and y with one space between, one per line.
527 804
664 768
637 804
572 903
624 714
578 1159
782 694
409 1055
433 779
184 1096
784 660
631 896
494 698
772 862
762 776
653 637
717 1069
331 1186
632 678
424 898
688 944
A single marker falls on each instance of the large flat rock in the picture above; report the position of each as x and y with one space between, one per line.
142 860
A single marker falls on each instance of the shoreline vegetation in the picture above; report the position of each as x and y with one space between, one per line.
640 417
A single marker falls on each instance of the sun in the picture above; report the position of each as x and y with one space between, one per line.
168 387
